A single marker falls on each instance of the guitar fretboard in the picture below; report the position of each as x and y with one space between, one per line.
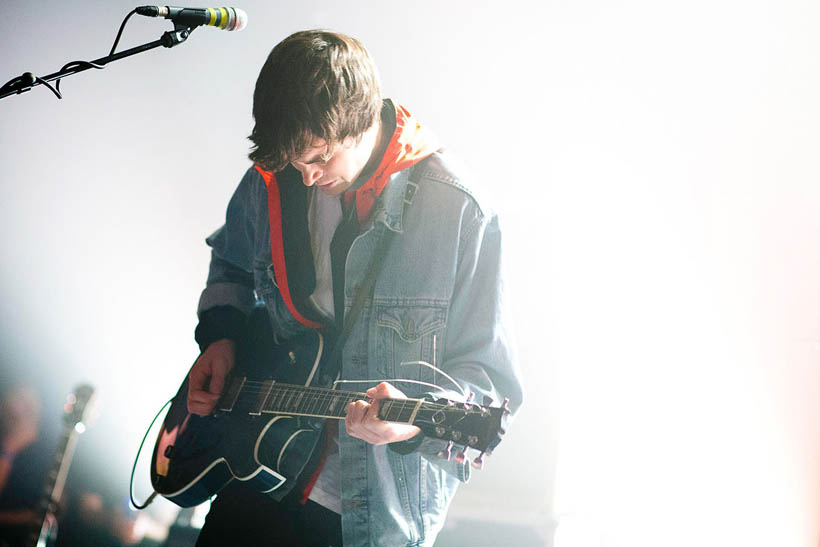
270 397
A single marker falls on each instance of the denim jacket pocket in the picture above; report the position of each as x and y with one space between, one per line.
409 333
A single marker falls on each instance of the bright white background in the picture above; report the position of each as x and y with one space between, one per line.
657 171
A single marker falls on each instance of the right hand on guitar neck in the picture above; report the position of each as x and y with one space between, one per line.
207 377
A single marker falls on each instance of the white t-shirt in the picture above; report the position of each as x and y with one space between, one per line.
324 216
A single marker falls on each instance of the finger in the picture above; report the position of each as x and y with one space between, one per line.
202 409
217 382
380 391
201 402
349 420
203 397
372 413
353 420
197 377
356 411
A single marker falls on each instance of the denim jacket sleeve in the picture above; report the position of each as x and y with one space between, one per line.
479 348
230 276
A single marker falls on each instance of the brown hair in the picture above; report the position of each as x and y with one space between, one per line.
315 83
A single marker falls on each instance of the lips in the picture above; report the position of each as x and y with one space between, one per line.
328 184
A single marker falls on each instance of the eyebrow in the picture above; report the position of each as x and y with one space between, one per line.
316 159
318 156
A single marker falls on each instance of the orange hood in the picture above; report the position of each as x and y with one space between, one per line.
409 144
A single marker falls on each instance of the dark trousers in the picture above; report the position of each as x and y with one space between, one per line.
242 517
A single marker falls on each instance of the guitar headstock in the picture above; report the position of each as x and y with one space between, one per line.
466 424
80 407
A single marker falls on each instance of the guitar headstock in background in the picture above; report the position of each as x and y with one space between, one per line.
80 408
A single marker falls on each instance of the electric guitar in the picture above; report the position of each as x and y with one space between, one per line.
269 419
78 409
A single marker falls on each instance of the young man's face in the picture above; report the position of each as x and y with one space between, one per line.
335 171
332 172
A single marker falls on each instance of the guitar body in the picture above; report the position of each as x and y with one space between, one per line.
196 456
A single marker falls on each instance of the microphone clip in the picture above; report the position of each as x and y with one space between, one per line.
175 37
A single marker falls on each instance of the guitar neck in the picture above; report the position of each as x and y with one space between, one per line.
465 423
76 408
269 397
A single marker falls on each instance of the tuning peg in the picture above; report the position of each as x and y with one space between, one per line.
478 463
447 452
461 456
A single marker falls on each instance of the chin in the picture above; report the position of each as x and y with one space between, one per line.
335 188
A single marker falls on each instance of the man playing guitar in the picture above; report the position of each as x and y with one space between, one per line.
343 182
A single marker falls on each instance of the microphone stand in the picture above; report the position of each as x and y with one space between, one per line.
26 81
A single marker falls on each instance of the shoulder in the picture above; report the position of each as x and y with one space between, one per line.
252 190
447 178
248 195
252 185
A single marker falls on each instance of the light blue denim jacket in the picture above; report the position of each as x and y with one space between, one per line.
440 290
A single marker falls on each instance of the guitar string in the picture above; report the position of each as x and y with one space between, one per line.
279 393
284 399
392 410
261 386
265 385
319 397
250 388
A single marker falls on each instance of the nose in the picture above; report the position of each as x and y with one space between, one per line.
311 174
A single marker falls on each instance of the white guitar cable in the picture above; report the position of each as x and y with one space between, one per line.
419 382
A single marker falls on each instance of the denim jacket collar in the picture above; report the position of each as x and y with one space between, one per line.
394 199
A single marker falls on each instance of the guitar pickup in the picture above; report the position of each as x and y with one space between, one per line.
264 393
231 394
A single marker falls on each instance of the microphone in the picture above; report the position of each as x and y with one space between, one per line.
224 18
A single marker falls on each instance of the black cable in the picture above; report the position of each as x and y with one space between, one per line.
27 79
94 65
48 85
136 459
87 64
122 27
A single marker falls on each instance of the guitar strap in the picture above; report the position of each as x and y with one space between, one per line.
366 288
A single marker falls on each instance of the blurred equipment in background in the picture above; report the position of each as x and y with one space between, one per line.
23 462
30 493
